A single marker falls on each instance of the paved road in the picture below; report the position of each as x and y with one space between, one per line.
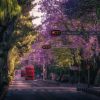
44 90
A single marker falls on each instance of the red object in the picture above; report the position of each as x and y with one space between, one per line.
29 70
46 46
55 33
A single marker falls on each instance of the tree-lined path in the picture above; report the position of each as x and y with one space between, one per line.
48 48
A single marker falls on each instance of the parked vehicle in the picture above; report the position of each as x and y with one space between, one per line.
29 73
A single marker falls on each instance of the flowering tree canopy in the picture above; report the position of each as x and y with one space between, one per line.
65 15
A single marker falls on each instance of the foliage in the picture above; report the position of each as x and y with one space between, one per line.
58 70
65 58
79 8
12 60
63 22
20 40
8 9
22 2
23 34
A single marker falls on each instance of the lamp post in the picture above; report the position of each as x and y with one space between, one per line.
46 47
88 72
88 75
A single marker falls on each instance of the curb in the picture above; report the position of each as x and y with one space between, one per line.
89 90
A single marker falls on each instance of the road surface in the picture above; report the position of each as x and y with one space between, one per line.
44 90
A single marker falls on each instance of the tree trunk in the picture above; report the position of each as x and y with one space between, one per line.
98 40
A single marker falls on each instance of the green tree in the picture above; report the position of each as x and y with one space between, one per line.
19 40
64 57
8 9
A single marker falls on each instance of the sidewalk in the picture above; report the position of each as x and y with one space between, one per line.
91 90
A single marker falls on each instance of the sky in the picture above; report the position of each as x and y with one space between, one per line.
35 12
